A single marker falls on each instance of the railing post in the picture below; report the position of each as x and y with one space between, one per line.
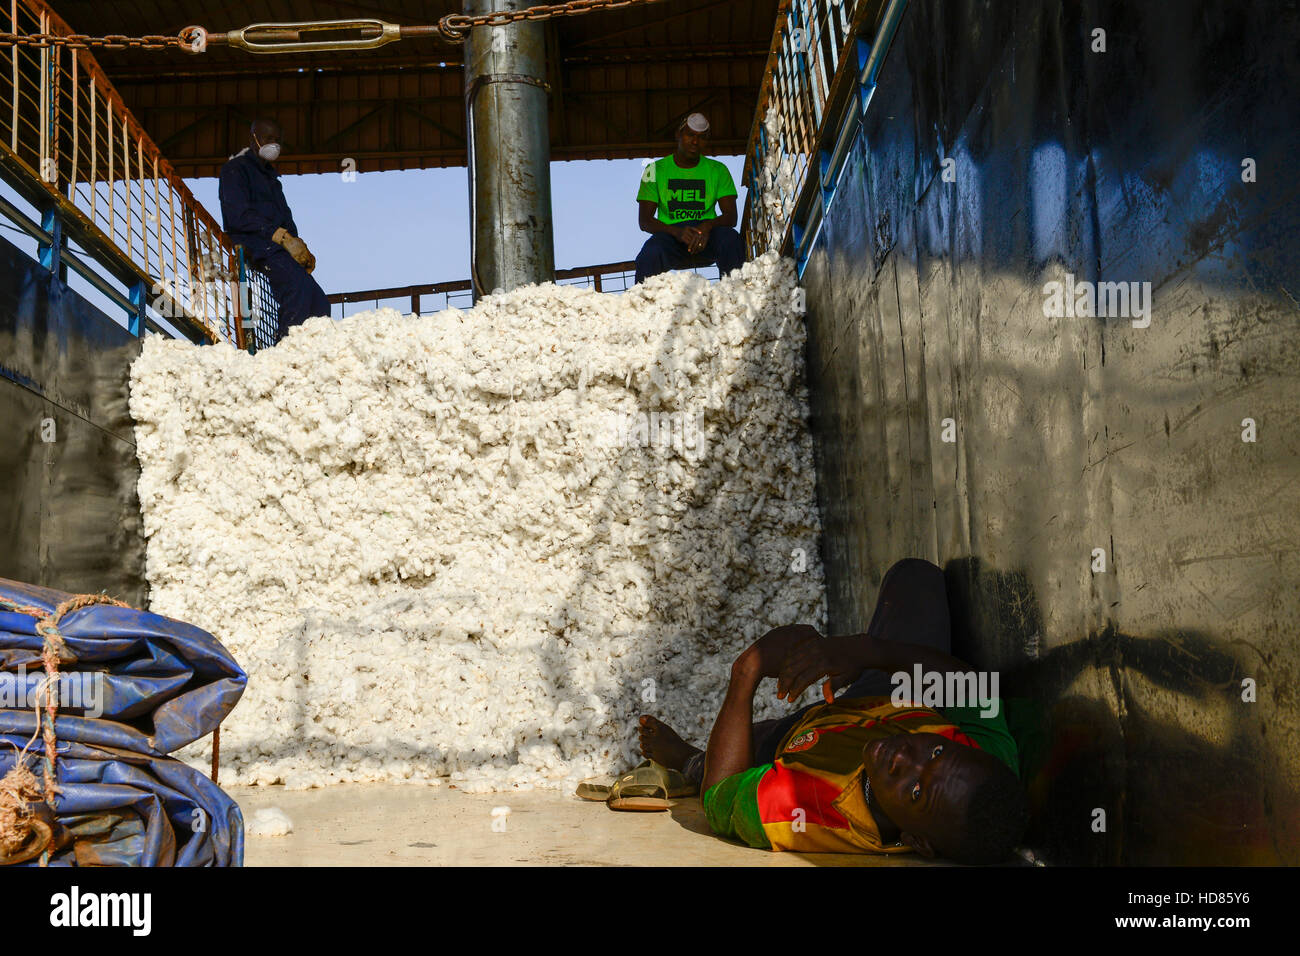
826 177
48 252
247 320
863 89
139 300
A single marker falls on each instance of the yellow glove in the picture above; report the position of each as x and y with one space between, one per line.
295 247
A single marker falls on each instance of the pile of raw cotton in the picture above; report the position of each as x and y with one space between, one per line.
476 545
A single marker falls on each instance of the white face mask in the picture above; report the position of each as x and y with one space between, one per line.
270 152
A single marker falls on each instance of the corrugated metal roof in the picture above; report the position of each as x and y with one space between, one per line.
621 80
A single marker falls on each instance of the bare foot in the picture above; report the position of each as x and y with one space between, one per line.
662 744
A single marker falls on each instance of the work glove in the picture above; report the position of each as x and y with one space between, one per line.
295 247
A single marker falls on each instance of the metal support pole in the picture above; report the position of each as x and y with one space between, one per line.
509 152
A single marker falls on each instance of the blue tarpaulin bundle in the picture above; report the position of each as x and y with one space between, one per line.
132 687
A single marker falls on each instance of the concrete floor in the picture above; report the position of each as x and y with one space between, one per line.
385 825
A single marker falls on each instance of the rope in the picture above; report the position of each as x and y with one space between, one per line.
18 790
53 651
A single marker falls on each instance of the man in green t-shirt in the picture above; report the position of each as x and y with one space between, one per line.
683 189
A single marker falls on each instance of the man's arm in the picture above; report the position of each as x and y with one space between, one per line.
700 237
238 213
729 216
731 743
836 658
650 223
290 224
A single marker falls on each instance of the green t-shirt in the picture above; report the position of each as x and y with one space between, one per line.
685 195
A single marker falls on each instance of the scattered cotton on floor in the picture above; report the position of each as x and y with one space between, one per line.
476 545
269 822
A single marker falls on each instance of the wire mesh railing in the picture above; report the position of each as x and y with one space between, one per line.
64 127
258 308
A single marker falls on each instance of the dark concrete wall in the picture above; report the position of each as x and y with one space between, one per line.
69 516
926 303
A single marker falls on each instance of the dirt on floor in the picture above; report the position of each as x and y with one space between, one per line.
387 825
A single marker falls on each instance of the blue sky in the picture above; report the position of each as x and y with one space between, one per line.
412 227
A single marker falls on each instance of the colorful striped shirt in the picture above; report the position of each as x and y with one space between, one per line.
811 798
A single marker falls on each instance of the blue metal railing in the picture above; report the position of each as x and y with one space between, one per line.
822 70
71 148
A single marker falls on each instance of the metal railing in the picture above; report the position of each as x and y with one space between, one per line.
607 277
259 309
820 74
81 157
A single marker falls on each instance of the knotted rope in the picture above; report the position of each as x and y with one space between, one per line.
18 786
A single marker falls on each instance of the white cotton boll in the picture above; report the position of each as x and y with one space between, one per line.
456 548
268 822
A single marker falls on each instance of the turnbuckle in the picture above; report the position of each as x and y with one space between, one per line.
298 37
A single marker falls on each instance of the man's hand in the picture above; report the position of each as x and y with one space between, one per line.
696 237
767 655
295 247
703 228
830 658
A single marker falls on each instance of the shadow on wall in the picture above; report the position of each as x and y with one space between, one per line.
1184 759
960 416
69 515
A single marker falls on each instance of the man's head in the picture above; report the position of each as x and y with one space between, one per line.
264 138
947 799
693 136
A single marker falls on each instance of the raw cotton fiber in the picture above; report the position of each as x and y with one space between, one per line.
269 822
477 545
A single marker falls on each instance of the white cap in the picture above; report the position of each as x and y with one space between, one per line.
697 122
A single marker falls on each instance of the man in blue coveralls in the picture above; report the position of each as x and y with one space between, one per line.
256 216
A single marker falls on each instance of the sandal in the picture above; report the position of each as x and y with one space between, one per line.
594 791
647 787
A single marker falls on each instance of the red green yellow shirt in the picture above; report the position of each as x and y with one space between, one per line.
811 798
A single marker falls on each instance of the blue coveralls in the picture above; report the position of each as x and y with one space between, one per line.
252 209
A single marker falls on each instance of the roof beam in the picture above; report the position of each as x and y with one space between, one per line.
657 21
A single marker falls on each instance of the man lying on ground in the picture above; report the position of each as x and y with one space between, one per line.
859 773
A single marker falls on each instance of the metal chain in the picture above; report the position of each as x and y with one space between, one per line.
80 41
453 28
456 26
